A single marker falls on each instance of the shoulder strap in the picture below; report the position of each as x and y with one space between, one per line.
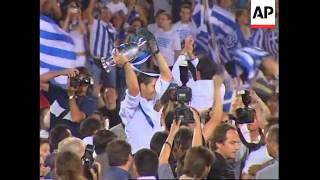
62 114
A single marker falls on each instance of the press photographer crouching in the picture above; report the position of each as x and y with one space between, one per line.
72 105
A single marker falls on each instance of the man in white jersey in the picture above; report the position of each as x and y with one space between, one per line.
137 109
185 27
167 39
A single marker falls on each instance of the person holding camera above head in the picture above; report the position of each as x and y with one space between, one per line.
137 109
72 105
199 75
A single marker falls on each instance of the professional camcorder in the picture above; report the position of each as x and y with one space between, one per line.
245 115
80 80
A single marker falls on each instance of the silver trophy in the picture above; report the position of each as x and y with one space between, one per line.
130 50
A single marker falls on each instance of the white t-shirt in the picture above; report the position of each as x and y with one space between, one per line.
117 7
138 131
185 29
168 42
259 156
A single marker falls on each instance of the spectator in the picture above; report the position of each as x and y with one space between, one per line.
69 106
181 143
165 166
185 26
111 106
100 142
167 39
146 162
44 149
136 9
271 171
116 6
157 141
225 143
120 25
154 26
88 128
102 39
51 8
72 144
197 163
136 110
74 24
69 166
57 134
120 160
254 37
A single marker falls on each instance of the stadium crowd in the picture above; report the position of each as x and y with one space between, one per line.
201 117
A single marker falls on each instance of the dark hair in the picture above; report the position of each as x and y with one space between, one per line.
146 162
145 79
157 141
118 152
137 19
273 133
183 138
57 134
89 126
186 6
159 12
101 139
206 68
196 159
43 141
83 71
220 134
68 166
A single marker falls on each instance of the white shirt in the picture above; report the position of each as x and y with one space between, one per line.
202 98
185 29
269 172
259 156
168 42
139 132
147 177
117 7
202 93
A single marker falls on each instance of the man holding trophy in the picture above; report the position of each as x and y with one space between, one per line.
137 109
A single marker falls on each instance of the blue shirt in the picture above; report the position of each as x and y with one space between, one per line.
115 173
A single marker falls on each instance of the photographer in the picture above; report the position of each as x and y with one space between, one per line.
69 106
137 109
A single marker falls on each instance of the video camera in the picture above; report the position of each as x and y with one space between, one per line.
183 95
245 115
80 80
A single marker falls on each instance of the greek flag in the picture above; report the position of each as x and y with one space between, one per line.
56 48
248 58
228 97
271 43
256 38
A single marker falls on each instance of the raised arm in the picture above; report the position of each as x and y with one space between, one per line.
131 77
197 132
166 148
217 108
46 77
89 11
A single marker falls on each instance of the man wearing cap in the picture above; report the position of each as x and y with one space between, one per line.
167 39
137 109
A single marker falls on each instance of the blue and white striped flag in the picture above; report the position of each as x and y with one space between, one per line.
56 48
271 43
228 98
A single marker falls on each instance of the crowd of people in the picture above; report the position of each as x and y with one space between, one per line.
123 124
